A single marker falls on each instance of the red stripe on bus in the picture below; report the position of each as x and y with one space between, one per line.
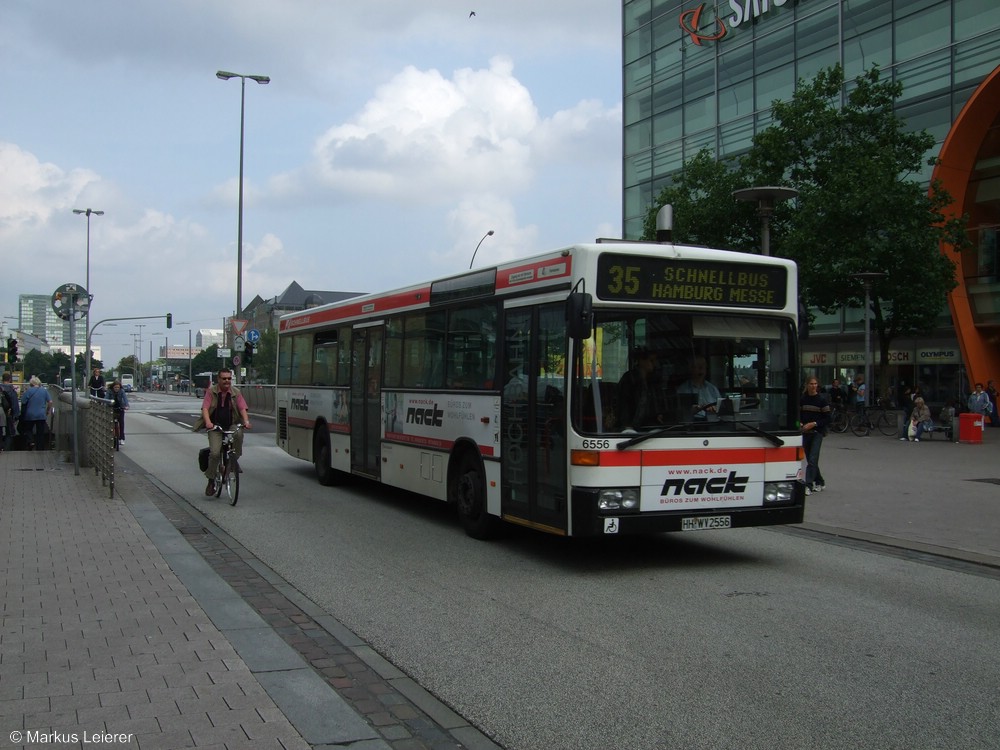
698 457
722 455
426 442
383 305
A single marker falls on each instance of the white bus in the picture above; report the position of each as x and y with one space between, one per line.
499 390
128 382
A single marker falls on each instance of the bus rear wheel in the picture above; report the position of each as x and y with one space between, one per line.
469 492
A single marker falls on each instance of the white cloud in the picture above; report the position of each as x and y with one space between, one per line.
31 191
425 137
392 137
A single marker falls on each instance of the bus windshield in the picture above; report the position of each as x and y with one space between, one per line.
641 371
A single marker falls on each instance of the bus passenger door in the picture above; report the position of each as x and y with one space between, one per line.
366 400
533 417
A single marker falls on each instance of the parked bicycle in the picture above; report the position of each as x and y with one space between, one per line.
227 476
839 419
879 417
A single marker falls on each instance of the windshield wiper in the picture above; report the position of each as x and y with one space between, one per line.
770 437
655 433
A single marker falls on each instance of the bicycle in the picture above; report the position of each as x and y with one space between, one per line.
227 475
862 423
839 419
117 429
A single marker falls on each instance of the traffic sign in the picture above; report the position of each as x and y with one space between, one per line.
236 361
224 352
253 335
239 344
239 326
70 301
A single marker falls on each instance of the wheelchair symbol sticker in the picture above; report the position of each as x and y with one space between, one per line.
610 525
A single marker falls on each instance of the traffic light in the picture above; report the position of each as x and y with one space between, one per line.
170 320
248 353
11 350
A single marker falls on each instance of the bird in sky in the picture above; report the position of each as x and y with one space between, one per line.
472 13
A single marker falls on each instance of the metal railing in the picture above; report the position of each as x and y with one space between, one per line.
99 435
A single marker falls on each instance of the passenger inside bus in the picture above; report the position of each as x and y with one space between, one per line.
640 397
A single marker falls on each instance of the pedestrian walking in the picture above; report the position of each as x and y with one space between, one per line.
814 419
979 402
11 408
36 405
991 393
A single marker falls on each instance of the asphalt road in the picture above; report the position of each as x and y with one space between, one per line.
748 638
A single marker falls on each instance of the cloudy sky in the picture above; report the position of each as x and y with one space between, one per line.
393 135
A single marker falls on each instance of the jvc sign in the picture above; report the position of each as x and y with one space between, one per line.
741 12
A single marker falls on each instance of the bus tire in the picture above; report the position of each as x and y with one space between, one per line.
469 492
325 473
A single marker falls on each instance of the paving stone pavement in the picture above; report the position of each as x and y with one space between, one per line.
134 622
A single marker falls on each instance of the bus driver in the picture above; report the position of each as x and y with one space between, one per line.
707 395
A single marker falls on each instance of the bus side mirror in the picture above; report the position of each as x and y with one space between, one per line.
579 315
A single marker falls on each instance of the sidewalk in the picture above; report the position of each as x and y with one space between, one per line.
137 617
934 496
131 623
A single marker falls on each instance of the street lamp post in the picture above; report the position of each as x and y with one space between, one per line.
225 76
868 278
488 234
88 212
765 197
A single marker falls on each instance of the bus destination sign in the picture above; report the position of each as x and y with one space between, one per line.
638 278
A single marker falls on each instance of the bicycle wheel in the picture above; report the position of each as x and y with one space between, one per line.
233 480
886 423
838 421
860 425
220 476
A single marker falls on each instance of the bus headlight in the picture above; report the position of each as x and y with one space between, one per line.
779 492
618 499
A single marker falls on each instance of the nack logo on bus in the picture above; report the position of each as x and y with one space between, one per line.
706 485
430 415
299 404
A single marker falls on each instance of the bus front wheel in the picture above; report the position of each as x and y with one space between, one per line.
325 473
469 491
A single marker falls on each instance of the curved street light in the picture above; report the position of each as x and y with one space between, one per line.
488 234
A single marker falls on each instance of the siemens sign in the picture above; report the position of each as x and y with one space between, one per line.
743 11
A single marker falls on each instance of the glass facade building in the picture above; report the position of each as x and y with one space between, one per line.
704 74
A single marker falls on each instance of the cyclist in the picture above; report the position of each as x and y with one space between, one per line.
120 404
96 384
224 406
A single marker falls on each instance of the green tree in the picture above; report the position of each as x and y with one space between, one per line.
36 363
264 356
207 360
861 206
703 207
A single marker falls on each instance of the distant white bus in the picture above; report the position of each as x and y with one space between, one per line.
128 382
